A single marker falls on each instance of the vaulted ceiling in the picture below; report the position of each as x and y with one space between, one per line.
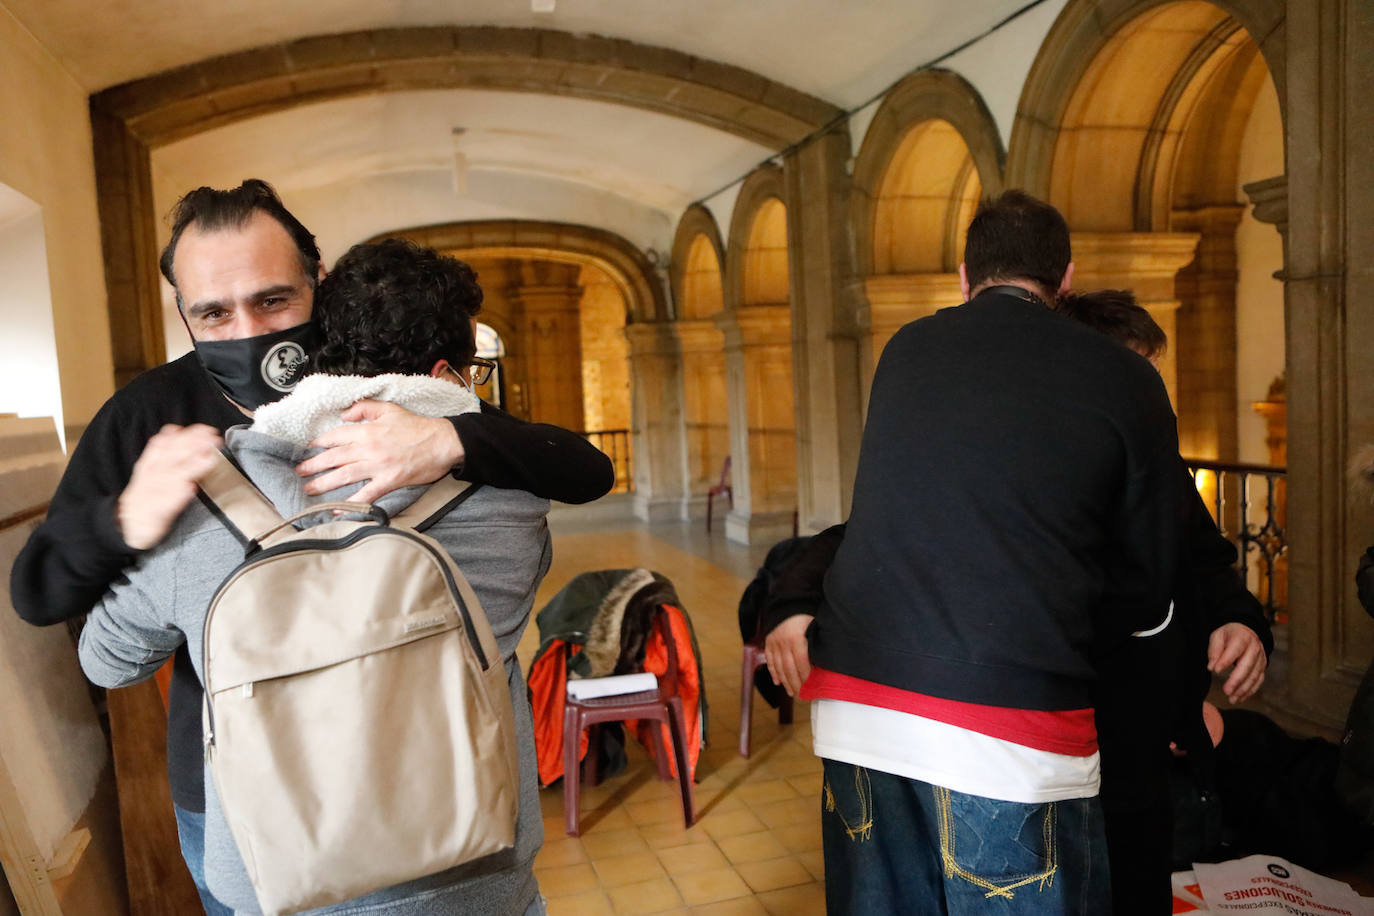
527 154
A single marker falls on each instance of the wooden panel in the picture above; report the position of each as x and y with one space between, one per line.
158 880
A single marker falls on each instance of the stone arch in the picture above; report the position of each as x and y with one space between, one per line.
933 116
698 295
1086 42
552 378
561 242
757 324
132 118
763 185
696 236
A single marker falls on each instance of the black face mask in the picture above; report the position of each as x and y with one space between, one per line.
254 371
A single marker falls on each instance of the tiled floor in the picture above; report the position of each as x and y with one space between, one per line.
756 846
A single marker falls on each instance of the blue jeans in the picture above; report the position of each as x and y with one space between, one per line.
901 846
191 833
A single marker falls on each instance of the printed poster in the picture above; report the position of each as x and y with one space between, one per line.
1264 885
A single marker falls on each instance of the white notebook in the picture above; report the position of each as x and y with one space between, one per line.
615 685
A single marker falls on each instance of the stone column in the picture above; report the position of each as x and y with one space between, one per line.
1329 131
656 417
1205 345
892 301
825 339
706 417
758 371
549 301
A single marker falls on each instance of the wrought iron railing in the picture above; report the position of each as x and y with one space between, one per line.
1250 505
616 444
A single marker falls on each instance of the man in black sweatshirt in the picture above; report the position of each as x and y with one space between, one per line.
1015 513
244 270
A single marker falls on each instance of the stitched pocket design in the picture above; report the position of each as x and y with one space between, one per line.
853 805
995 845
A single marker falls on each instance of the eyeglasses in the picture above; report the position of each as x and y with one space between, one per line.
481 370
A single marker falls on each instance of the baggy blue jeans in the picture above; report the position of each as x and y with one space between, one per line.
901 846
191 833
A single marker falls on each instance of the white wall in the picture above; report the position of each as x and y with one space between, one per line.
1259 297
45 155
29 383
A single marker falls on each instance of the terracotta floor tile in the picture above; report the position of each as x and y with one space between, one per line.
613 843
772 790
631 869
645 897
711 885
683 860
803 900
591 903
731 824
803 837
789 812
564 850
752 847
658 811
739 906
771 874
603 819
813 862
566 879
668 836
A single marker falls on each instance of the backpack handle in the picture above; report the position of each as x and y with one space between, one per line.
377 513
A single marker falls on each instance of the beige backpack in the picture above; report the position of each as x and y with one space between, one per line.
358 721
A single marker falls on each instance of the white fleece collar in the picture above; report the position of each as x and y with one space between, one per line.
313 408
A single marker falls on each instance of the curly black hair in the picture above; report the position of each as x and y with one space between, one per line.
1115 312
393 306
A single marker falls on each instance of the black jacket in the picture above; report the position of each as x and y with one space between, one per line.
73 556
1016 508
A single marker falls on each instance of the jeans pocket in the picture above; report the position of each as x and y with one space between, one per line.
998 846
848 795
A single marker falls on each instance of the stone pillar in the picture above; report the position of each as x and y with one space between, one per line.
1205 344
758 371
706 416
1146 263
1270 199
892 301
825 339
549 301
656 418
1329 131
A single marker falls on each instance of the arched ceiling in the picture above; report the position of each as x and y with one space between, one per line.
372 162
841 52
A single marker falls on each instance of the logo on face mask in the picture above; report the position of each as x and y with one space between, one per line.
281 367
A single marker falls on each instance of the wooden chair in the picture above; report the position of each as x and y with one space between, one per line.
661 704
753 660
722 488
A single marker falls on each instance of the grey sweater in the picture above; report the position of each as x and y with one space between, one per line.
499 539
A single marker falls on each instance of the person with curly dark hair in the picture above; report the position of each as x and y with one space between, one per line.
364 334
245 272
397 331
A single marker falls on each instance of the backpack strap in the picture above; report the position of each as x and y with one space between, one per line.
239 505
442 497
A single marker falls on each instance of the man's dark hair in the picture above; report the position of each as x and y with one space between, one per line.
392 306
211 209
1016 237
1114 312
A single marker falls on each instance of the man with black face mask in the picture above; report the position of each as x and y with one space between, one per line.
245 269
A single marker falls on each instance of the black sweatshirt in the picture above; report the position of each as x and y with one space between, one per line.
73 556
1016 503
